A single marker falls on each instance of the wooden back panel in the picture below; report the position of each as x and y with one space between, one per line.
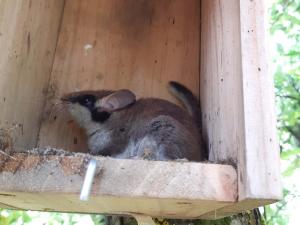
139 45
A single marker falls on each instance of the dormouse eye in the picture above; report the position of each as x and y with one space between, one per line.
87 101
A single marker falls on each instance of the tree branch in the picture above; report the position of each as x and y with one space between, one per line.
293 132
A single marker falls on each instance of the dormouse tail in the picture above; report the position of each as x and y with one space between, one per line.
188 99
192 105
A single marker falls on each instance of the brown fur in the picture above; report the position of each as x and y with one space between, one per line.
149 128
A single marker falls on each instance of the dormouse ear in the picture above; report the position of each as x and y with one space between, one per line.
117 100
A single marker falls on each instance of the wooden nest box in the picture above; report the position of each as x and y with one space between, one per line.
216 48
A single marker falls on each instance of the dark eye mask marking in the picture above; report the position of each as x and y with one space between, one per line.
88 101
100 116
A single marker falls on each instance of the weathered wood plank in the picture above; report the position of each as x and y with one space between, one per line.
28 36
260 162
237 96
221 80
168 189
237 207
139 45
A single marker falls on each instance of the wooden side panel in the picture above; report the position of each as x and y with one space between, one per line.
260 175
139 45
28 36
221 80
157 189
237 96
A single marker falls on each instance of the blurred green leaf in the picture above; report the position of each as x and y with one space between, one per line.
285 38
287 154
295 164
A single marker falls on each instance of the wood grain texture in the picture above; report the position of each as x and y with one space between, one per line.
260 167
139 45
237 96
28 36
238 207
221 80
157 189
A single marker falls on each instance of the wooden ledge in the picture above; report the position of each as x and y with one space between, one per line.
158 189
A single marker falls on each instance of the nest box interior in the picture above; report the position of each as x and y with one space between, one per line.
49 48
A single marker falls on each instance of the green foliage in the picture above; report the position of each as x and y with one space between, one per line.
225 221
285 17
13 217
285 39
275 214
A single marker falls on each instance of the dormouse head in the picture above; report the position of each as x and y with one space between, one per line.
97 106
